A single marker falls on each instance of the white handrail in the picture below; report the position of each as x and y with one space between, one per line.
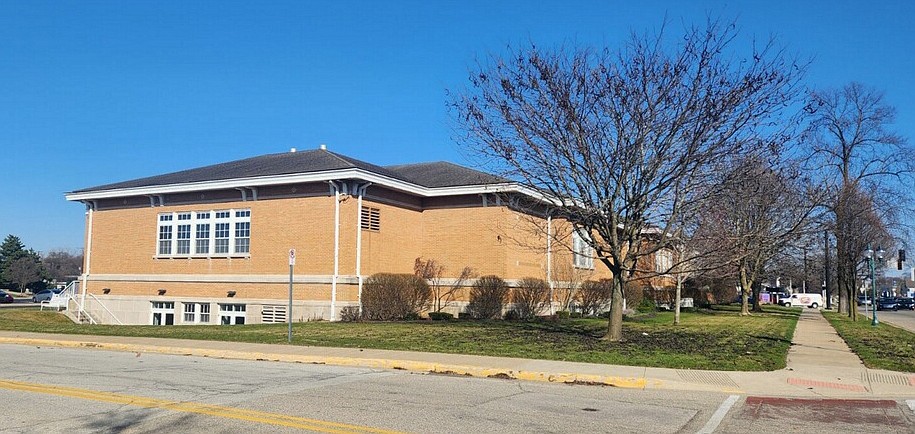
103 307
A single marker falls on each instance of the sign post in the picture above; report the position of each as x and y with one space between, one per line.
289 309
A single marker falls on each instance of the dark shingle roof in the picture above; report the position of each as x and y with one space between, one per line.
438 174
317 160
444 174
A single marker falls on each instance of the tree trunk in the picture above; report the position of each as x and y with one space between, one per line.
677 300
744 293
615 322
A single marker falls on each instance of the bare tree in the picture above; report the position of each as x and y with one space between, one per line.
530 298
859 225
567 282
595 295
618 141
758 211
443 291
62 265
862 161
24 271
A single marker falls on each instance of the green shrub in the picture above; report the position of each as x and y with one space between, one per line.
487 297
440 316
563 314
647 305
394 297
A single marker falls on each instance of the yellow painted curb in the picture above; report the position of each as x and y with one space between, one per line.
405 365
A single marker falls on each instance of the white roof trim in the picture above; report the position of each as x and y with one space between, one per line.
295 178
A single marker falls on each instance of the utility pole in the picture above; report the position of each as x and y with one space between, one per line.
804 282
826 268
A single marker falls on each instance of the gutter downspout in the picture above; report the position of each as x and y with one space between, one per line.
549 258
333 284
90 207
361 191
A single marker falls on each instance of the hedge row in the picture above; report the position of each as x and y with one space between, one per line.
398 297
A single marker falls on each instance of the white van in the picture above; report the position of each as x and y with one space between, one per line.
809 300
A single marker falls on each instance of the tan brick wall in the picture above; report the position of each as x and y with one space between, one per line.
396 245
457 233
124 240
459 237
300 291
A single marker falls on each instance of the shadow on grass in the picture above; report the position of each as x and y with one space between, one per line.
567 328
771 338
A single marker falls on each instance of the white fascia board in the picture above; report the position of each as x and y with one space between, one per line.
296 178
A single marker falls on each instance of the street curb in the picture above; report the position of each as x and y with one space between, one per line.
402 365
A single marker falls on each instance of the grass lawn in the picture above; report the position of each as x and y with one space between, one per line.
881 347
717 339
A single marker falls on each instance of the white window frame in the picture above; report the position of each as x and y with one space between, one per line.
162 309
168 236
196 313
663 261
582 252
230 313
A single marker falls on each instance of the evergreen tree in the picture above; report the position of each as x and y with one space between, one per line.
19 267
11 249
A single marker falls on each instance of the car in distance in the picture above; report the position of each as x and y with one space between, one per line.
864 301
5 298
905 303
887 303
44 295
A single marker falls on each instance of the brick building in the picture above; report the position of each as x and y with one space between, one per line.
211 244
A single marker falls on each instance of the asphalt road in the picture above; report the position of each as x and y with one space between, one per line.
50 390
66 390
19 302
904 318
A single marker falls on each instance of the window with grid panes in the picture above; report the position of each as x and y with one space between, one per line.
204 233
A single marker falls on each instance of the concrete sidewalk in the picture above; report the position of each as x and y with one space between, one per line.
819 364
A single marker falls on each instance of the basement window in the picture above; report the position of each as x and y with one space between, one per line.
163 313
232 314
371 219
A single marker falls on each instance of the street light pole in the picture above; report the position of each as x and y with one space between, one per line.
871 260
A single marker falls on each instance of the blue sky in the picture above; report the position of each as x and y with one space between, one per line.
93 92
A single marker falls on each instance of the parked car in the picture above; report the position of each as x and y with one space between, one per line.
887 303
905 303
5 298
44 295
864 301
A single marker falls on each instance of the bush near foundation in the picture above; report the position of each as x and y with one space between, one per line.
595 296
349 314
394 297
487 297
529 299
440 316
